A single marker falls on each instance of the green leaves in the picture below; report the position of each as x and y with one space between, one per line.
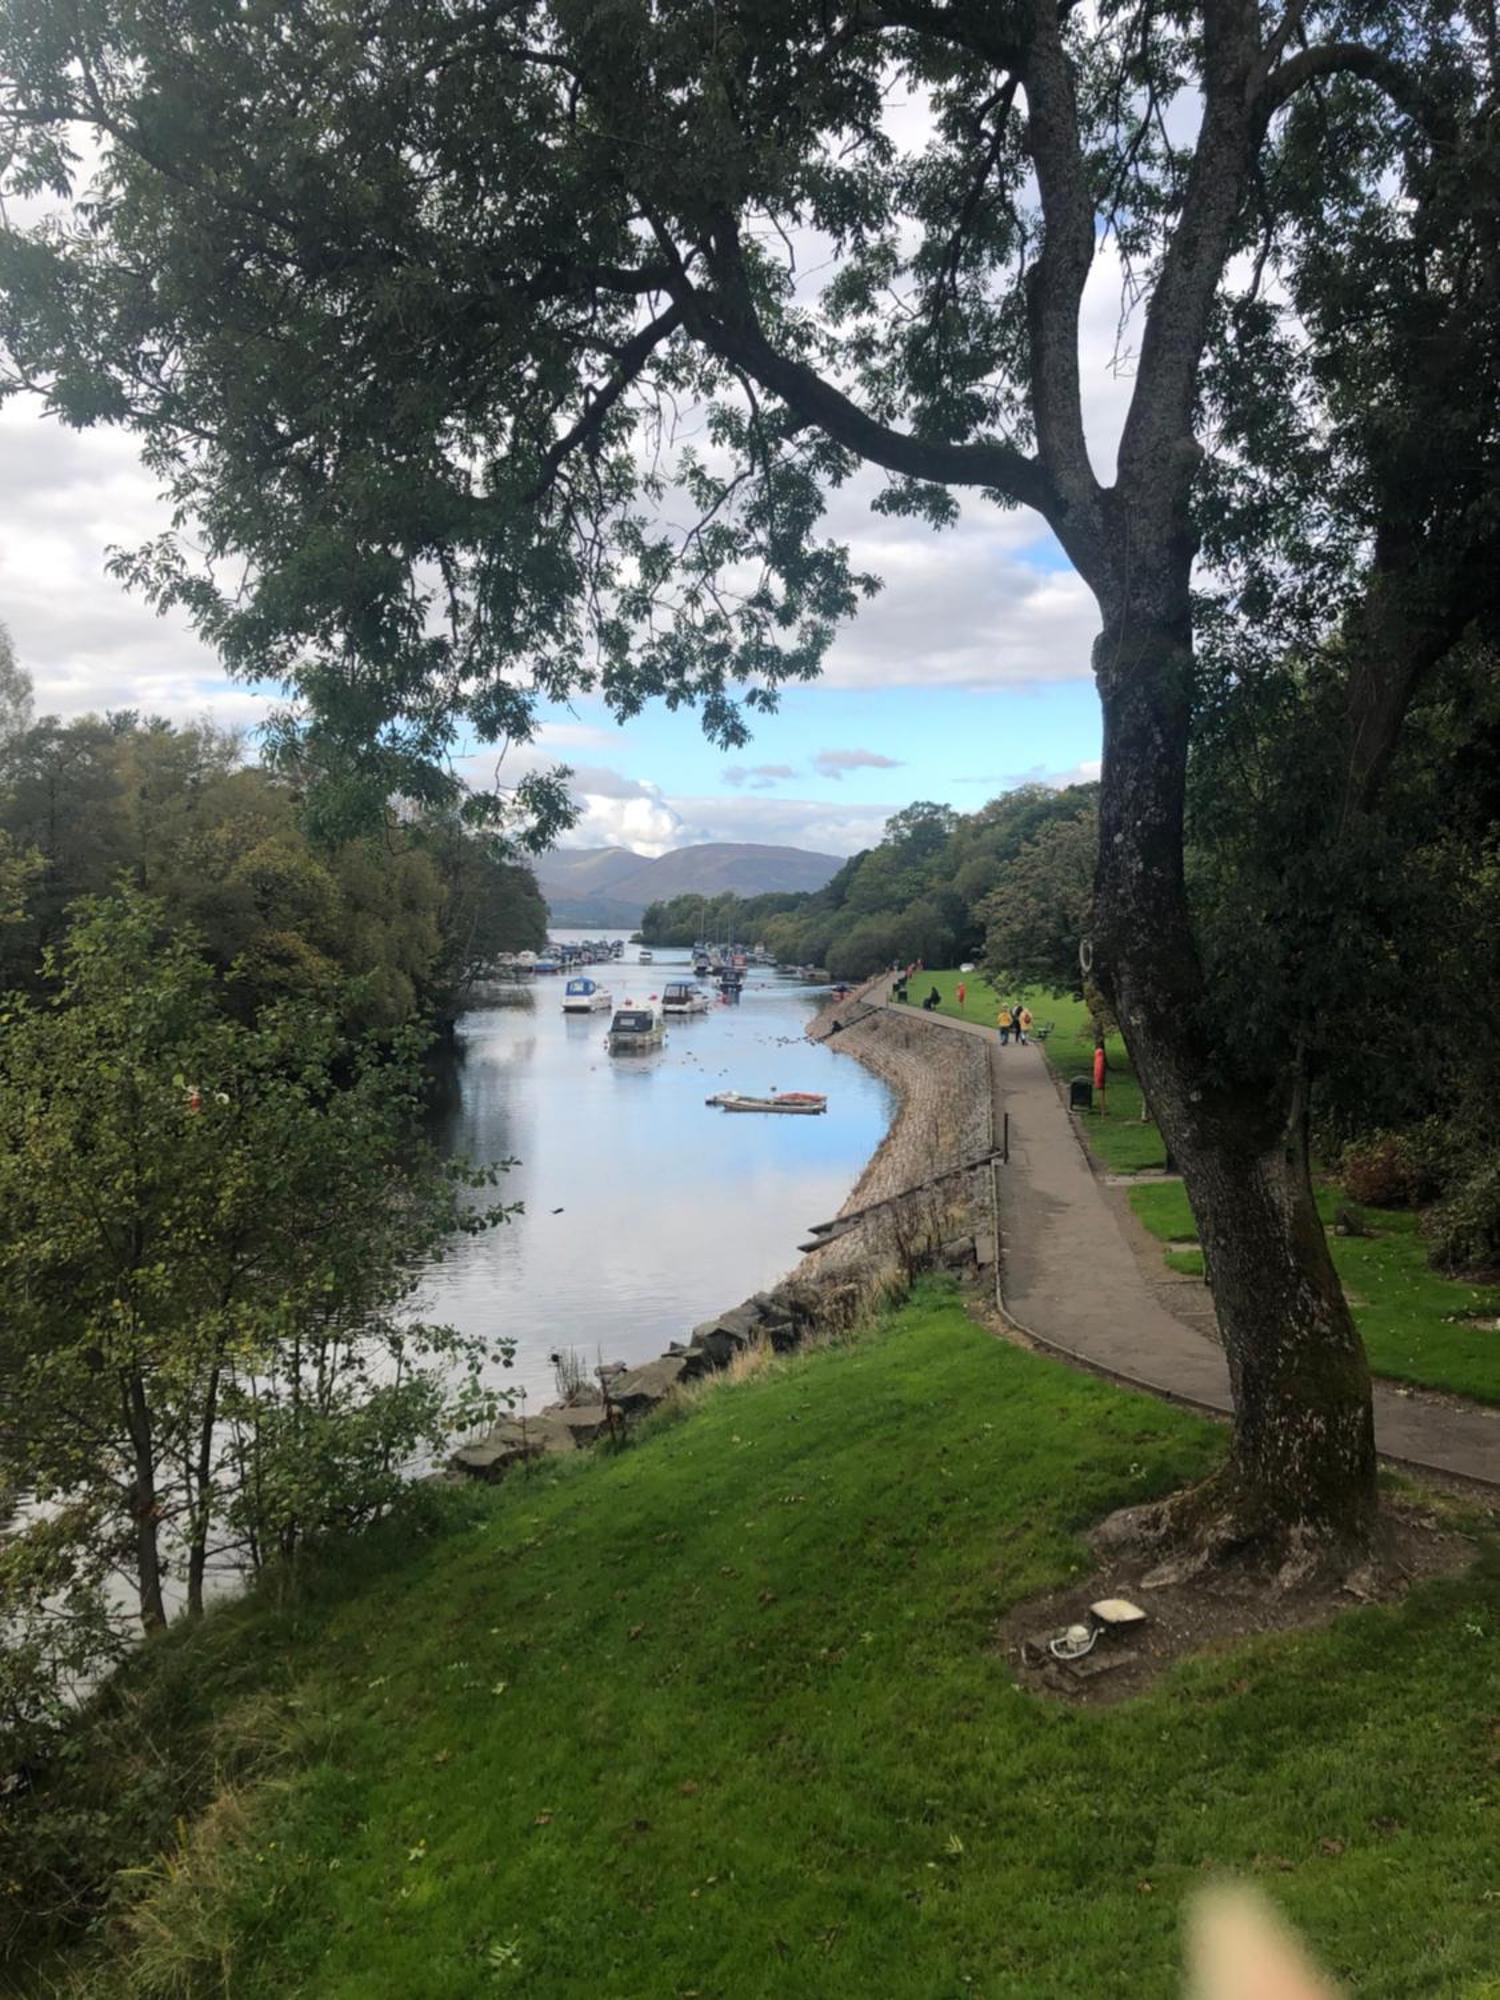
210 1234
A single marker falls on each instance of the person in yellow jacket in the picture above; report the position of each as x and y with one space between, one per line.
1005 1020
1023 1025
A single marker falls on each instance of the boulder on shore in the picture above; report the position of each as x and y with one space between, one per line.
638 1390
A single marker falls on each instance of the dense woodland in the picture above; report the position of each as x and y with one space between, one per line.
215 1200
401 916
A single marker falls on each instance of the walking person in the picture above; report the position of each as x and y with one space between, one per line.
1004 1021
962 994
1023 1023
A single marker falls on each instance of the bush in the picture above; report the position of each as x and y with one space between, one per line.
1380 1170
1463 1231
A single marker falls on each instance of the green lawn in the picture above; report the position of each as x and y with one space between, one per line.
1117 1135
1417 1326
718 1718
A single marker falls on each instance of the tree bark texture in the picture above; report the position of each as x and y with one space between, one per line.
1302 1456
144 1507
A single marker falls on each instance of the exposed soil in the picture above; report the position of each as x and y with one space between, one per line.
1208 1614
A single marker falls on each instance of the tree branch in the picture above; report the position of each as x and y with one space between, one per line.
726 321
1417 606
1158 452
1054 287
1339 59
633 358
960 27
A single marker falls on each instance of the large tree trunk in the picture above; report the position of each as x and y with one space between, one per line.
1301 1471
1302 1461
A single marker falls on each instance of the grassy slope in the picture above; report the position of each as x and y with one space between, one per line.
1118 1137
1415 1324
717 1718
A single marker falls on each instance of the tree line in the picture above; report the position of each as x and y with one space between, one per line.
401 915
922 892
216 1201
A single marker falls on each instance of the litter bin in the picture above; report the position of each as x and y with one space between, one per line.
1080 1094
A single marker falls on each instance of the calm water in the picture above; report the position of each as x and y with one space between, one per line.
645 1210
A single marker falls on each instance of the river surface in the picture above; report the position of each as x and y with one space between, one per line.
644 1210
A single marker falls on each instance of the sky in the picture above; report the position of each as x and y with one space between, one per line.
966 675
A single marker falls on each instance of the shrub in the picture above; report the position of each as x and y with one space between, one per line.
1463 1231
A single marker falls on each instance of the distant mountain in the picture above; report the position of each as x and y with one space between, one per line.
584 871
612 886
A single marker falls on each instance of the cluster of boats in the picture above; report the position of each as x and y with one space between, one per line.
636 1030
727 965
558 958
583 995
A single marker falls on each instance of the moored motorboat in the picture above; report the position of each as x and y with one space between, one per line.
634 1030
586 996
681 996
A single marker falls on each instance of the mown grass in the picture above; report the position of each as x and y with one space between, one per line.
1120 1139
719 1717
1417 1326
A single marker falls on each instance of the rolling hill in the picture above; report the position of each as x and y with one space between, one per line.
612 886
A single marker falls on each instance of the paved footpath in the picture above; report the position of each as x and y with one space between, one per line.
1073 1280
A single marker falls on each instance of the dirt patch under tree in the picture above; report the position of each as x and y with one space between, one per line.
1210 1612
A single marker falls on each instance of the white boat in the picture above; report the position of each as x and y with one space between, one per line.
645 958
793 1103
634 1030
586 996
681 996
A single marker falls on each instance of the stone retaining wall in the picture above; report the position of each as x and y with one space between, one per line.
942 1081
942 1085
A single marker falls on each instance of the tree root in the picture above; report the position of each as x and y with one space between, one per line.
1213 1532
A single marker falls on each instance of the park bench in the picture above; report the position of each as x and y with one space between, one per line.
1039 1033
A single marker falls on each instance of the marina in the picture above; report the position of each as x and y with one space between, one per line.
642 1211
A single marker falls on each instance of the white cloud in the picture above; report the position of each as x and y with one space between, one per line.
759 777
825 827
66 496
616 810
576 736
1086 772
834 763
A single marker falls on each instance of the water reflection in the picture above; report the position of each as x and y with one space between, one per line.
644 1209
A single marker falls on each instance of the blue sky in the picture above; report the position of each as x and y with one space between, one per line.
827 769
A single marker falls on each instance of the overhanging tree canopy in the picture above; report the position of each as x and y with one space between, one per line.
404 301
